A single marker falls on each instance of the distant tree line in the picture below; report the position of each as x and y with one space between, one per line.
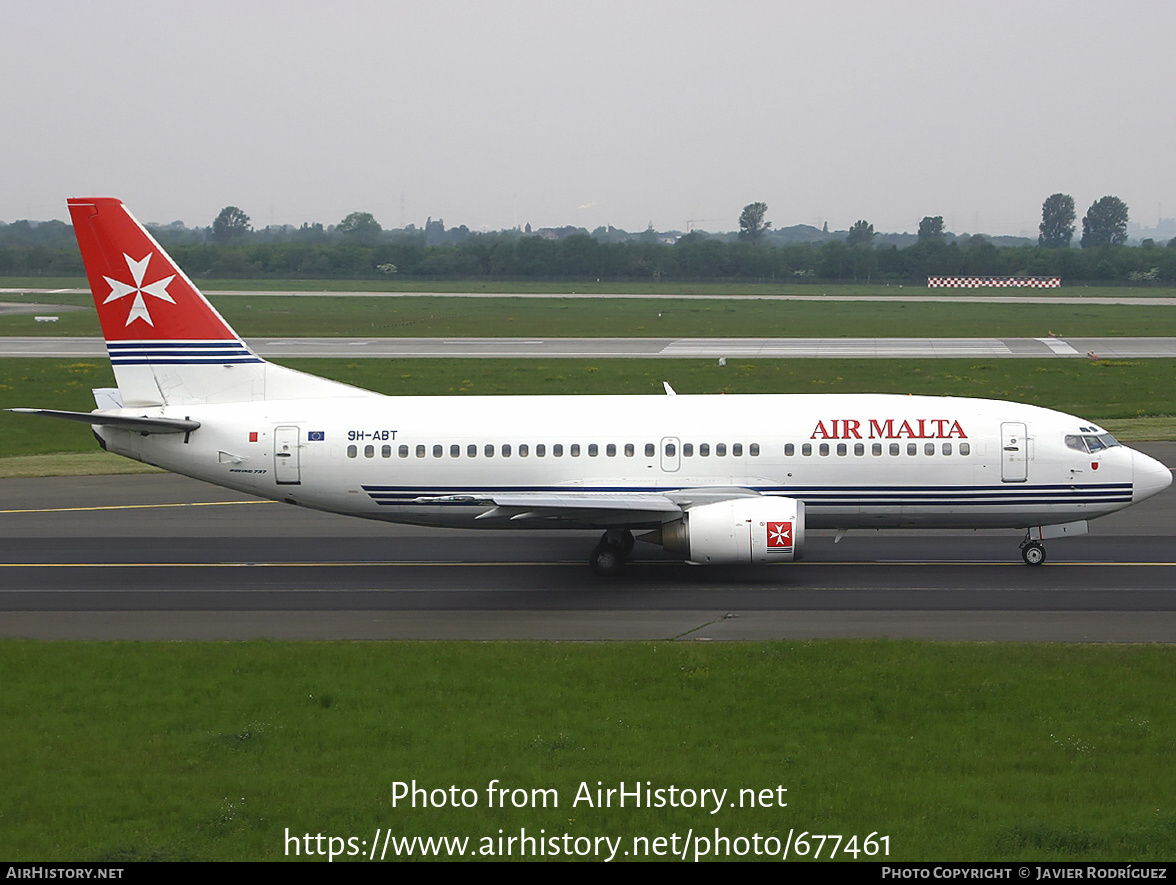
358 248
580 257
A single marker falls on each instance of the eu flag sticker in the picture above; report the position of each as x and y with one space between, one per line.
315 436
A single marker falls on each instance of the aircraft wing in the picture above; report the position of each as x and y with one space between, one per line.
568 508
583 508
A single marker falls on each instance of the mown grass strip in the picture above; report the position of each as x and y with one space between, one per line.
439 316
210 751
97 463
611 287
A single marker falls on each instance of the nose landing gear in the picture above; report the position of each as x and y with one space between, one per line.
1033 552
1032 548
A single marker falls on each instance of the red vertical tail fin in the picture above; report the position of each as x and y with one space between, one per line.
167 343
140 293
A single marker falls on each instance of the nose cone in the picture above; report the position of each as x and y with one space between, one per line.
1149 477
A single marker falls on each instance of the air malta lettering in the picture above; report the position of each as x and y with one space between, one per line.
891 428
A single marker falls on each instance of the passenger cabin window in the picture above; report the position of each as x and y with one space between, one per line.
789 450
753 450
688 450
540 450
737 450
650 450
557 450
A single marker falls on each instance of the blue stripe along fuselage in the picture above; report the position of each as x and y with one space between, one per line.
814 496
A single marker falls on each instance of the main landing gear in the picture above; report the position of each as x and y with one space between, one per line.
608 557
1033 552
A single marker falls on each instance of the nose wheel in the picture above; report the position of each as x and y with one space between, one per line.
1033 552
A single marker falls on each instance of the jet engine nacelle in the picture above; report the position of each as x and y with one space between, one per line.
763 529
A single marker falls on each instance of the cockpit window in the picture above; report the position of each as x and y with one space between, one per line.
1090 442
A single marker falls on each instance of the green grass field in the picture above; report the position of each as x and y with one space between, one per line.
607 287
439 316
210 751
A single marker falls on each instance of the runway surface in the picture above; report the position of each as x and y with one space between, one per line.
671 348
159 556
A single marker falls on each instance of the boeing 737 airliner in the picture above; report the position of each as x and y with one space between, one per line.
713 479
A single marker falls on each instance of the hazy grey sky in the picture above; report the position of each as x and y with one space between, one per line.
491 113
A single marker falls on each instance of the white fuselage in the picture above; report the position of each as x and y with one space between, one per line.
855 461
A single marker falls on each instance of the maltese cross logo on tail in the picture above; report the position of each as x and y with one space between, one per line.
158 289
779 534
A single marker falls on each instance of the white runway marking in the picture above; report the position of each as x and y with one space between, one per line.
836 347
1057 345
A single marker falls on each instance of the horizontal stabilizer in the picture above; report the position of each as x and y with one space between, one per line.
141 424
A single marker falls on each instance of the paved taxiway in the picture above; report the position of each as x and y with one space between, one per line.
671 348
159 556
